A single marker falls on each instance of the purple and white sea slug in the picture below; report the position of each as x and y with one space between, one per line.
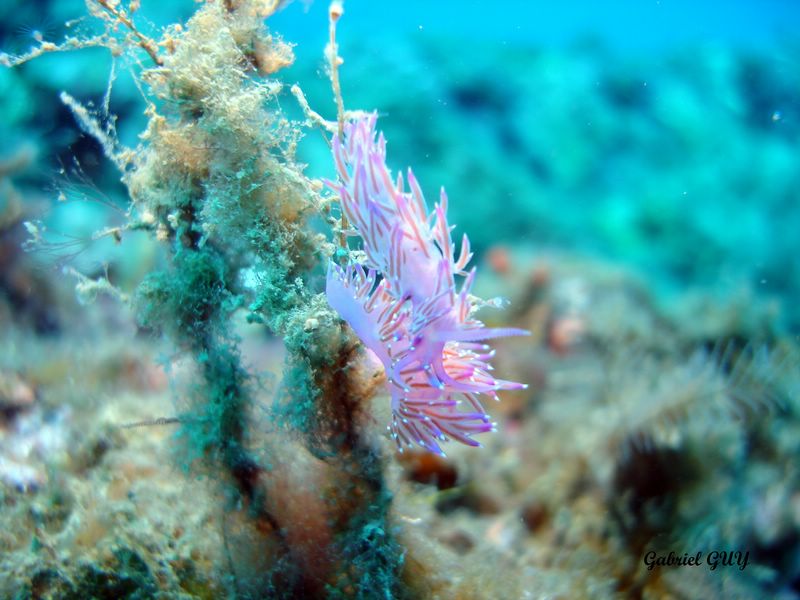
403 303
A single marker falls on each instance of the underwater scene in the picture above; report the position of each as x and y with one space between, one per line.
399 300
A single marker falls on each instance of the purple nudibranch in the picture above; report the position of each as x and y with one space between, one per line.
402 302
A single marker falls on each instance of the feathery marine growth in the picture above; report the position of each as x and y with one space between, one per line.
403 302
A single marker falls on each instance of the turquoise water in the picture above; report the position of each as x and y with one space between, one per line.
628 25
183 415
614 113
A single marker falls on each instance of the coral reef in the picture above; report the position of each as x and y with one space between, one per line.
213 425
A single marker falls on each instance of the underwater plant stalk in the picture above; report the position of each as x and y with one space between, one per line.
216 181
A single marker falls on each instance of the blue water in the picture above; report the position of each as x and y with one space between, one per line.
627 173
609 111
631 25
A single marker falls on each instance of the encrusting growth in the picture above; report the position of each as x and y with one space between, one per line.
215 179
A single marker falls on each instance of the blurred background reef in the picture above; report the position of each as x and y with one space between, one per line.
633 194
